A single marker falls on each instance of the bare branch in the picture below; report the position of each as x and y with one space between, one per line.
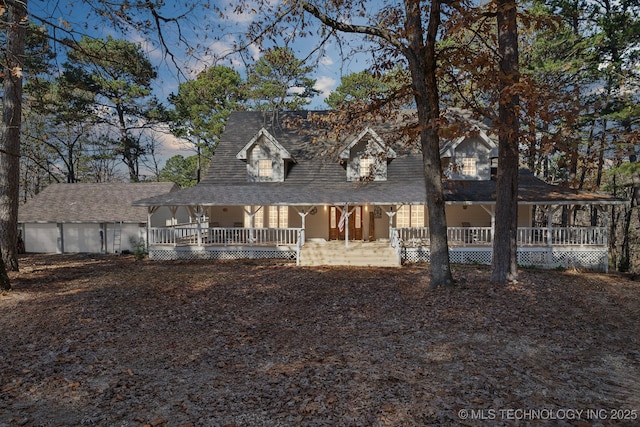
382 33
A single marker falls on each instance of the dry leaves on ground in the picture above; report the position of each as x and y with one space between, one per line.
106 341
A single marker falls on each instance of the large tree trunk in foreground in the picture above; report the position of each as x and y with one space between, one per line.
421 56
10 133
422 64
504 266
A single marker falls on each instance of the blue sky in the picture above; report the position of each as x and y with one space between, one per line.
211 39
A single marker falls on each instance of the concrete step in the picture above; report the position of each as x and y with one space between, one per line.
362 254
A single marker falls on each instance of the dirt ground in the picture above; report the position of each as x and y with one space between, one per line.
111 341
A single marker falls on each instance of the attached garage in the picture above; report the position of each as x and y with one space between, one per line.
92 218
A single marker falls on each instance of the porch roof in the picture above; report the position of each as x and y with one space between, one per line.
532 191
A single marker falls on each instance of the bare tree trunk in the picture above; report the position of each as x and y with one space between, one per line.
10 134
5 283
594 211
504 266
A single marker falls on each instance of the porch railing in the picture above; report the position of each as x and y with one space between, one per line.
562 236
526 236
221 236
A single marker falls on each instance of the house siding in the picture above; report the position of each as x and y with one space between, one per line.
365 148
264 150
473 147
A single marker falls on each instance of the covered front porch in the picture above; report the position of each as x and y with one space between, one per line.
288 228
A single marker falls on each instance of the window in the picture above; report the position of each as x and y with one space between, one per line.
417 216
278 216
403 218
410 216
469 166
366 166
265 168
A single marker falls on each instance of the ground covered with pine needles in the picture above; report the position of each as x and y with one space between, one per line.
111 341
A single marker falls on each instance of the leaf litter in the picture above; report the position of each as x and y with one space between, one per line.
108 340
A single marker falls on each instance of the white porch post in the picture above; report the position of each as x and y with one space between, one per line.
391 214
173 210
345 214
492 213
252 222
303 216
148 227
552 212
199 225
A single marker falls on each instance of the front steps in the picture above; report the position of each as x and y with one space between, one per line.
361 254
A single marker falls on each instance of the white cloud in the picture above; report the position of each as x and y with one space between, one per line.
326 61
325 85
296 90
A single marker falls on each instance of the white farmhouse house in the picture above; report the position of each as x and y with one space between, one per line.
280 186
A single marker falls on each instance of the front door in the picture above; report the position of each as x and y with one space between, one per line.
354 224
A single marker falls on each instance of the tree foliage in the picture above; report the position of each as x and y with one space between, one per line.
203 104
279 81
118 74
146 18
364 88
181 170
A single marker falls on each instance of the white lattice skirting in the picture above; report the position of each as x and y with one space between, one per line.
175 253
565 257
589 258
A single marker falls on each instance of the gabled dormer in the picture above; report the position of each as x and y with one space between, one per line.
366 157
266 158
469 157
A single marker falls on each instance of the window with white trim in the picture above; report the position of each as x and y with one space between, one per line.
278 216
265 168
410 216
403 217
366 166
417 216
469 166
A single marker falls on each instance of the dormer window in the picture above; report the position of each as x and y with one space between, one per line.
469 167
366 157
366 167
468 157
267 160
265 168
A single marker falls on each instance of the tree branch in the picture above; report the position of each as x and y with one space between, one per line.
350 28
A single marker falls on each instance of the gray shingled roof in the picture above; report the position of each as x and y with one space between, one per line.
531 190
91 203
317 177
